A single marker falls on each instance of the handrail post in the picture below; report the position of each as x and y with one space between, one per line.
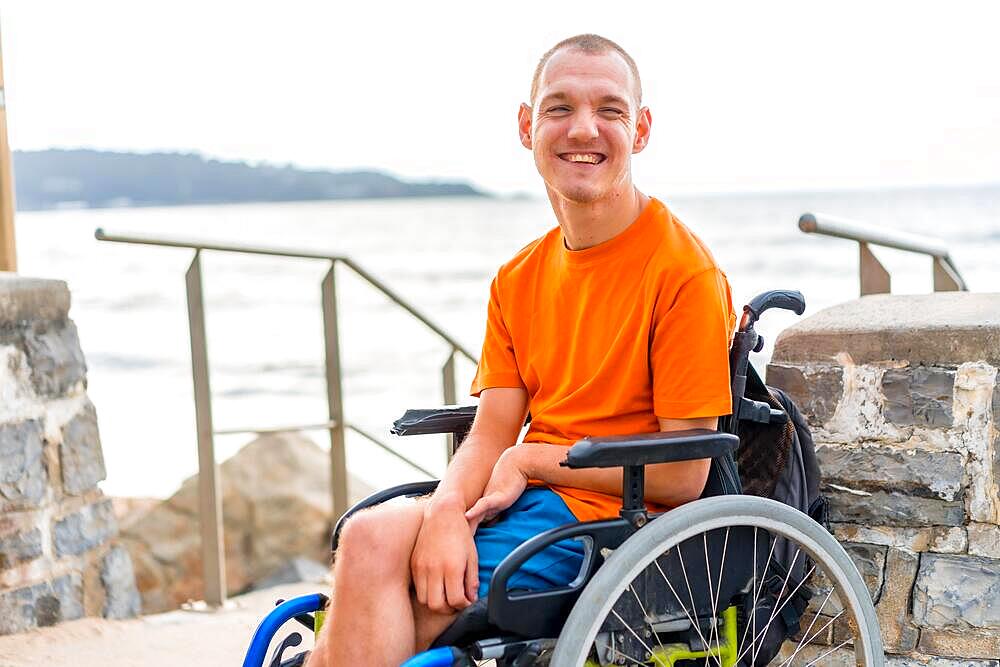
945 277
450 396
334 393
874 278
209 500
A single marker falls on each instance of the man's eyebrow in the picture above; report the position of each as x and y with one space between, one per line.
552 97
614 99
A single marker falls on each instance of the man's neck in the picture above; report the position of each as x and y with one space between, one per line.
586 225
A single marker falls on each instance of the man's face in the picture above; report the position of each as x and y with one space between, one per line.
585 125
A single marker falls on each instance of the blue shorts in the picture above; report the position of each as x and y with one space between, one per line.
537 510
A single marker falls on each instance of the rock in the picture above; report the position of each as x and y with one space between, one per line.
80 455
917 472
815 389
121 598
919 396
20 547
56 360
898 631
276 506
23 475
41 605
984 540
957 593
296 570
85 529
891 509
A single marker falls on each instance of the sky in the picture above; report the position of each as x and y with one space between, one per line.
745 96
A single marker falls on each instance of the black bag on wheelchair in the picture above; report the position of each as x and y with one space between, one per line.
777 460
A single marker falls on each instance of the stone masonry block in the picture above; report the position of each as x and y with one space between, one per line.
919 396
20 547
965 644
957 593
55 358
85 529
892 509
23 475
80 453
917 472
25 299
898 632
931 661
41 605
121 597
939 539
816 389
984 540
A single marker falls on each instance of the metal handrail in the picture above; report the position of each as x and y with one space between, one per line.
874 277
210 503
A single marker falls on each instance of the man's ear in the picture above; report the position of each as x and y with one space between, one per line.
524 125
642 129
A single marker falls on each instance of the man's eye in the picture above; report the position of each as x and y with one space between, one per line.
559 109
611 111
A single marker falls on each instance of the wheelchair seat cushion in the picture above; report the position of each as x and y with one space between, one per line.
537 510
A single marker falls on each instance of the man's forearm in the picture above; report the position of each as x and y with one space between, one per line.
668 484
468 472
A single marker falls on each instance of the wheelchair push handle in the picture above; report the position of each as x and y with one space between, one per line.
785 299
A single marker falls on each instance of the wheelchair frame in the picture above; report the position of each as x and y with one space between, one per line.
549 613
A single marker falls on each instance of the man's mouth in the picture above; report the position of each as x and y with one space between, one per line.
584 158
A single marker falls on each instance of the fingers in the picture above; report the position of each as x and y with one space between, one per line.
455 590
483 510
472 574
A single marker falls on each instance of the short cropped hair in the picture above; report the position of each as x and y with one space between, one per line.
593 45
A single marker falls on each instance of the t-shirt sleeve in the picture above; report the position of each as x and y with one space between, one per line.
497 365
689 351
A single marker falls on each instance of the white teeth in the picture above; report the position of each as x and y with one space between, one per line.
583 157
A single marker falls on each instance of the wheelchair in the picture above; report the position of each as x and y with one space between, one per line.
696 585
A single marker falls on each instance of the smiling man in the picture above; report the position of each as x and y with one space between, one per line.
615 322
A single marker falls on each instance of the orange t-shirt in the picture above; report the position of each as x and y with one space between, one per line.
606 339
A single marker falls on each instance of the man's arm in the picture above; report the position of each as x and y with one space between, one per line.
444 563
668 484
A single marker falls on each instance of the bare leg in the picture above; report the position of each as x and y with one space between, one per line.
371 619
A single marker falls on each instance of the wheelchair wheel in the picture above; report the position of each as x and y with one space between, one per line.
703 585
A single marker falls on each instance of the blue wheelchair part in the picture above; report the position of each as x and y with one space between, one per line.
286 611
446 656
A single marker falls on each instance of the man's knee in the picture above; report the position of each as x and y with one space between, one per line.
377 542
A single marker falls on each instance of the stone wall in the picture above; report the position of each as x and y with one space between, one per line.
58 560
903 396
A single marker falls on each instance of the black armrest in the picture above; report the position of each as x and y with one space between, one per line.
637 450
448 419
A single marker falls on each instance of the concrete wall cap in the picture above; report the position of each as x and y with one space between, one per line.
937 328
25 299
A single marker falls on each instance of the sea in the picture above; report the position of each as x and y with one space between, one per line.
264 323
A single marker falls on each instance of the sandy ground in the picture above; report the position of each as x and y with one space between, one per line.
173 639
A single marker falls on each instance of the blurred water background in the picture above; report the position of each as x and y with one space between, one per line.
264 320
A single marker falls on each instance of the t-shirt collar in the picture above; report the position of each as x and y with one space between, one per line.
631 236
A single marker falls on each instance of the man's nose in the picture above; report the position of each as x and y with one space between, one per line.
584 127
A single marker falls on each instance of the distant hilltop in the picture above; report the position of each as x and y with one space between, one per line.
95 179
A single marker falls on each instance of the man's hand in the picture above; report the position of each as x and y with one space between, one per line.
444 563
506 485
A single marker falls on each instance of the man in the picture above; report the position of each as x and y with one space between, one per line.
616 321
